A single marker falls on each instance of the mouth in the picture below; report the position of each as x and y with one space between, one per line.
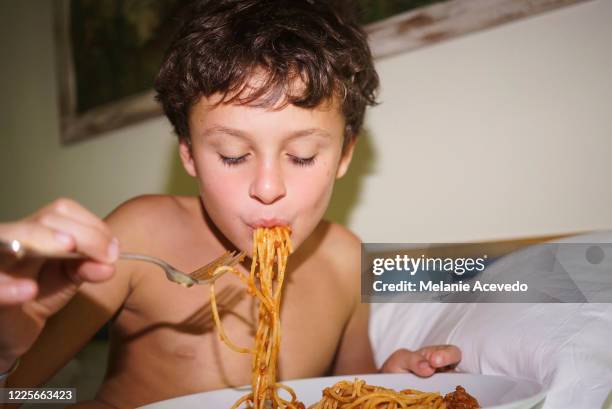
268 223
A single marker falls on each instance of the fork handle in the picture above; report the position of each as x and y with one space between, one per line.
16 249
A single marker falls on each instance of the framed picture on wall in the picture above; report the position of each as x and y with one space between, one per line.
108 51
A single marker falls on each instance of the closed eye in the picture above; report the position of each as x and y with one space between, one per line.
302 161
233 161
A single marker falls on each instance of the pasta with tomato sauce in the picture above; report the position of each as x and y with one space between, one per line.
271 249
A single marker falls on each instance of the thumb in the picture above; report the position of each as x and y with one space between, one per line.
405 361
61 279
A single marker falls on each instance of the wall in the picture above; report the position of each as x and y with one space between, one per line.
502 133
100 173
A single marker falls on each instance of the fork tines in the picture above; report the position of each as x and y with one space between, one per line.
227 259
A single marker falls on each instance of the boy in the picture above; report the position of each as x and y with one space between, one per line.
267 98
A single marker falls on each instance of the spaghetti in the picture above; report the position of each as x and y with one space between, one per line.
270 247
359 395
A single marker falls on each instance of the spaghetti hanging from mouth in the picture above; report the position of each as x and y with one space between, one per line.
271 247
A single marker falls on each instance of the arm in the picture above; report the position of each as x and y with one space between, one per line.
69 330
354 354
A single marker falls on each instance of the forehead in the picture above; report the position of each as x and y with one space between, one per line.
209 112
257 103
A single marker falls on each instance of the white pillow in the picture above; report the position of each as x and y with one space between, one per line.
566 347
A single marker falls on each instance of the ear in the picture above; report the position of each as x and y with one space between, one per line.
187 157
347 156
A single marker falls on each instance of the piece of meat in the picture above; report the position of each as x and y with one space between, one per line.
460 399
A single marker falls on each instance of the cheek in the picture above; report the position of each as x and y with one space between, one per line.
218 184
220 188
312 190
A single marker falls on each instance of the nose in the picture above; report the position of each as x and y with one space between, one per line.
268 186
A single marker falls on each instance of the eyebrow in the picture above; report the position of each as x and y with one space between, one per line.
244 135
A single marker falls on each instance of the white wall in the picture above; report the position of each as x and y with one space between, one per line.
502 133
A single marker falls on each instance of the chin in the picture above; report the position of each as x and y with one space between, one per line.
244 243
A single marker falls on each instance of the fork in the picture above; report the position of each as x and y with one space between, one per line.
203 275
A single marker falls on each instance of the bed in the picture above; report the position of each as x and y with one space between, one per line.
567 347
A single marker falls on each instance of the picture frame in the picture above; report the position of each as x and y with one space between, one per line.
448 19
423 26
78 123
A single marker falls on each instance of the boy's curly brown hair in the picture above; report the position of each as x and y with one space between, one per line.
224 43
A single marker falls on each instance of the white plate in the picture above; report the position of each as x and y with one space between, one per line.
492 392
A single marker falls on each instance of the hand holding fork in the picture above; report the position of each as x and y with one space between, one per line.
203 275
34 284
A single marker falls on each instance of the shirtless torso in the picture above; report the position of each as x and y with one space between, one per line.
163 340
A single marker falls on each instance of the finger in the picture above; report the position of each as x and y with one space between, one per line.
37 236
442 356
95 272
62 275
60 279
403 360
17 291
87 240
75 211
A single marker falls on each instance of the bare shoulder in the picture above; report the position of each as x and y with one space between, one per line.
138 219
136 224
339 243
339 249
142 208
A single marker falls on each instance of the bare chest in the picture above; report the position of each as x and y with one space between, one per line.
169 330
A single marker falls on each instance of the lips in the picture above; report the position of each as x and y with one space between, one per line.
268 223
